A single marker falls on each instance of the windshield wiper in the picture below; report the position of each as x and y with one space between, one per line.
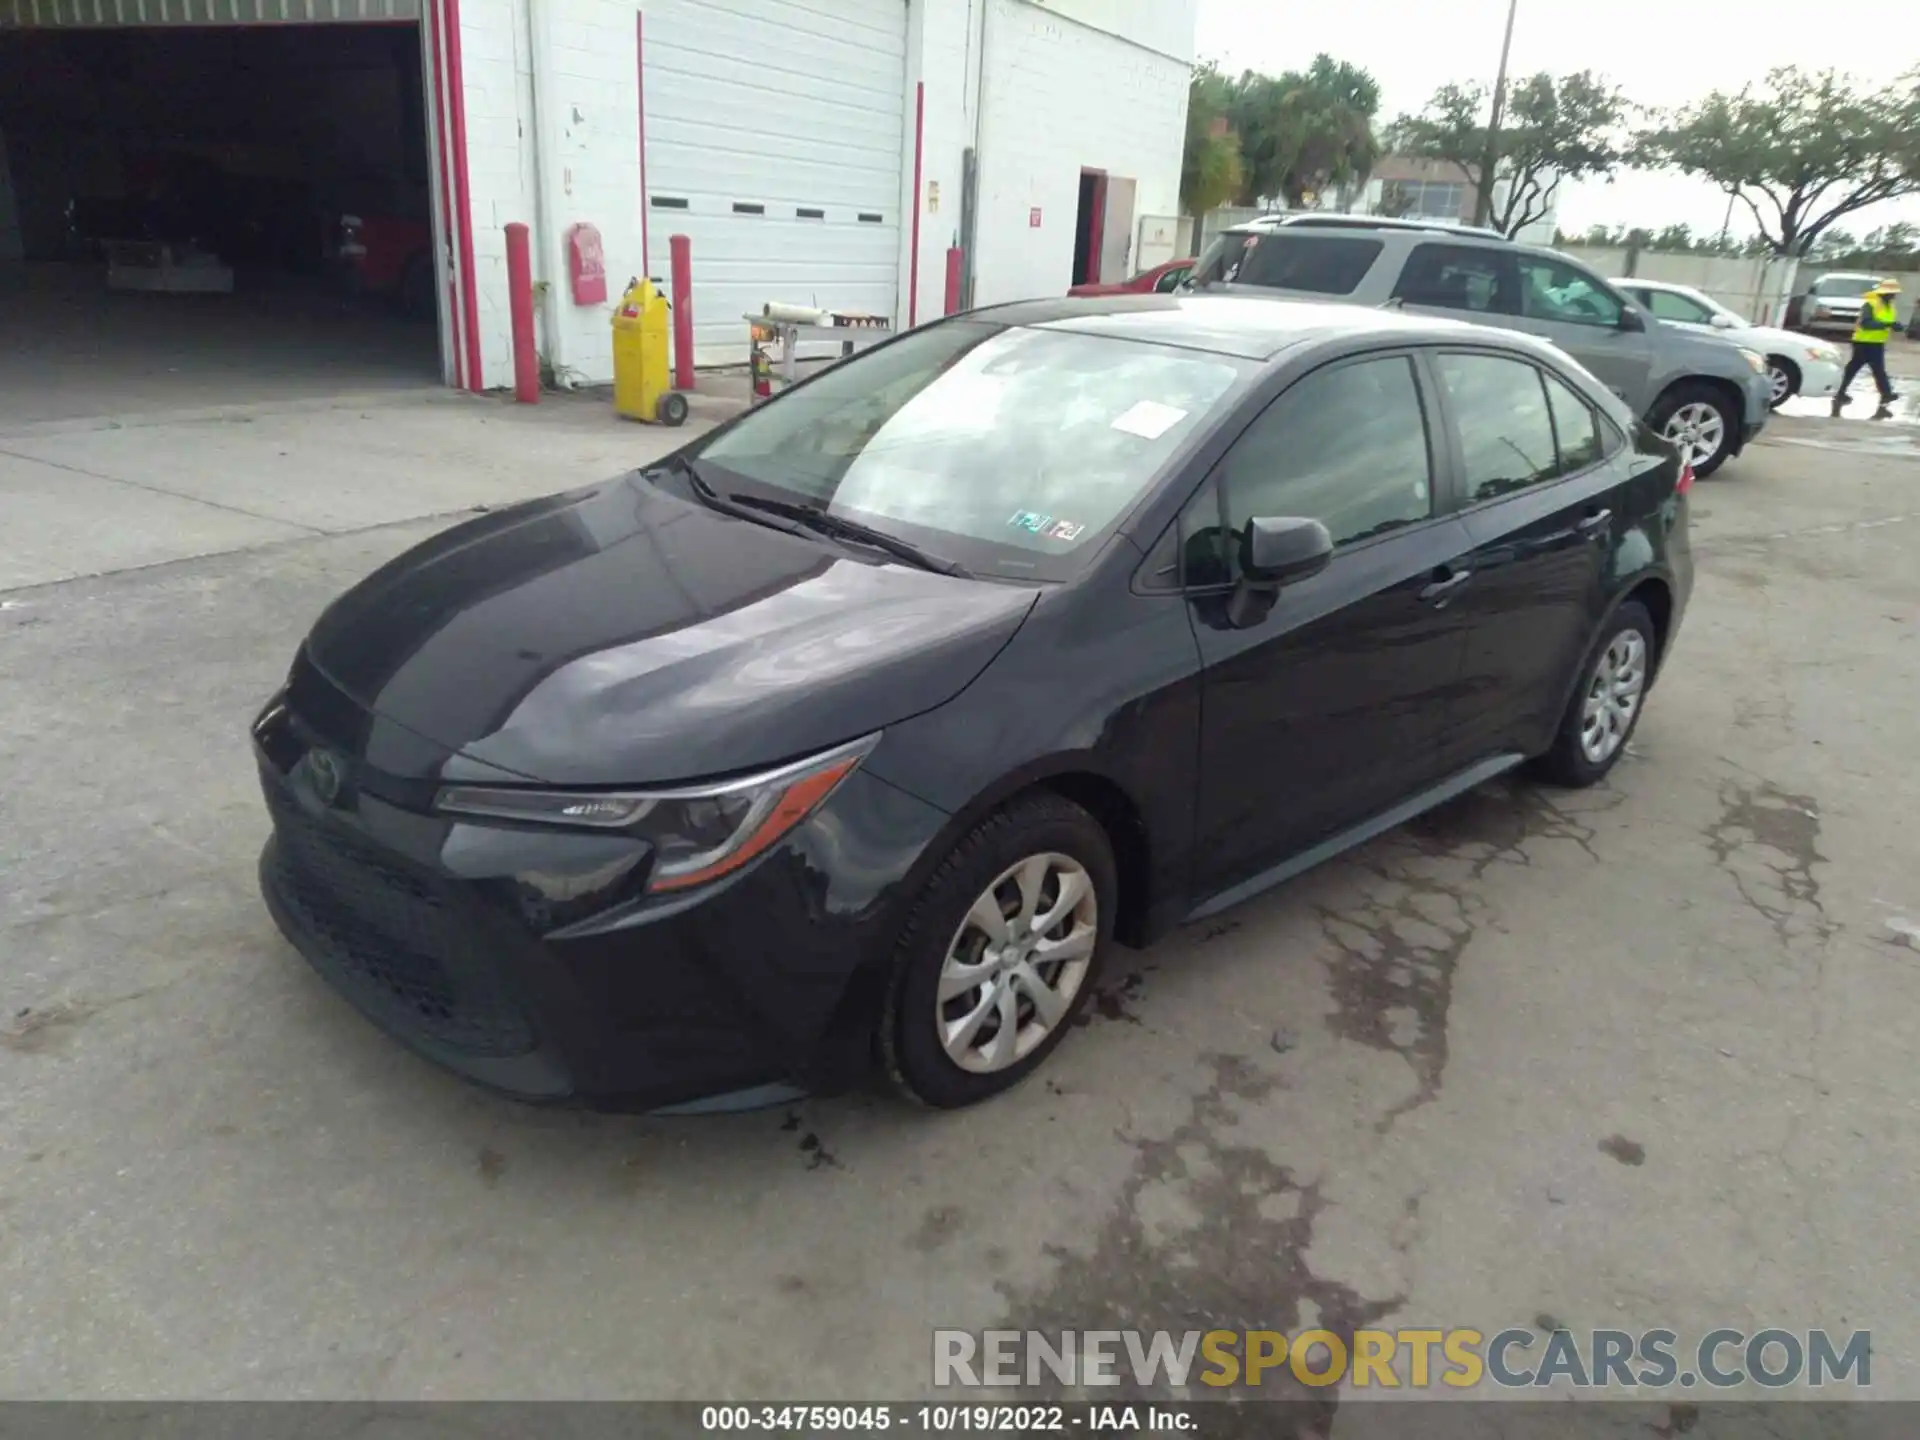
741 508
817 519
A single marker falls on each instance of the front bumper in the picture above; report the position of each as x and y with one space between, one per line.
531 961
1819 379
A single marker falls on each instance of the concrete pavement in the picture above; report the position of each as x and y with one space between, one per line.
1639 1056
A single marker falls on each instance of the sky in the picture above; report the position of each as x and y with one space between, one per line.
1660 52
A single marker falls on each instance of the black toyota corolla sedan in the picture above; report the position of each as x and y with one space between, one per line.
863 727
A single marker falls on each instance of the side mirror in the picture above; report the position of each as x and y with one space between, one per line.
1277 551
1722 322
1631 320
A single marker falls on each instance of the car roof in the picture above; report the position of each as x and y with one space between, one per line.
1247 327
1334 220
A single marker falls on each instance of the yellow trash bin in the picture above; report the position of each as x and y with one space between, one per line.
642 378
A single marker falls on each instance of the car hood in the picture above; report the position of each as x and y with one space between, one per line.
1780 342
619 635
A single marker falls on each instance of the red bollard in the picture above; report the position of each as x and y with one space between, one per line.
526 361
956 262
681 281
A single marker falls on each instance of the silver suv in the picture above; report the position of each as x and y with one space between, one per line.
1707 395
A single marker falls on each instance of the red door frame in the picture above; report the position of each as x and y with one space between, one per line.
450 152
1096 226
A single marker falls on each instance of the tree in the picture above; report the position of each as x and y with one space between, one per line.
1211 174
1567 128
1674 238
1801 152
1303 132
1395 199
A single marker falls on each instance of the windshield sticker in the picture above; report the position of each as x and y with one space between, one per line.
1149 419
1046 526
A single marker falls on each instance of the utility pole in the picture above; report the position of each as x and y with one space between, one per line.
1483 203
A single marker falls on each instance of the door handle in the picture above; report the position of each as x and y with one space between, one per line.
1594 524
1441 590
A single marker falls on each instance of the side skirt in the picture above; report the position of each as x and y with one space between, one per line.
1359 834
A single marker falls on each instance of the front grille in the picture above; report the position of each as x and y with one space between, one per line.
390 938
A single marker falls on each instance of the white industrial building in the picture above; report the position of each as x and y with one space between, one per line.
819 152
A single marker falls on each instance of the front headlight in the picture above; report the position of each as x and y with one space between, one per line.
1756 362
698 833
1823 352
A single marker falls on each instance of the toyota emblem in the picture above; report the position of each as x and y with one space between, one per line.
324 770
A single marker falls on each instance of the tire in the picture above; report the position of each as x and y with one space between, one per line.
671 409
1570 762
1686 402
1782 372
1042 829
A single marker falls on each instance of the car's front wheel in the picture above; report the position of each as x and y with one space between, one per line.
1701 423
1783 380
1000 954
1607 702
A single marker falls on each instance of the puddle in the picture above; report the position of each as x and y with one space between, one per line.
1906 409
1812 424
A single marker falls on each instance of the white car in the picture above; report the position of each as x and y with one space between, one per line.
1796 364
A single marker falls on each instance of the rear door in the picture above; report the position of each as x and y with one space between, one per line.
1539 472
1330 707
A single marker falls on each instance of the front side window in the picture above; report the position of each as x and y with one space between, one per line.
1008 449
1172 280
1553 290
1506 431
1478 278
1671 305
1289 260
1346 446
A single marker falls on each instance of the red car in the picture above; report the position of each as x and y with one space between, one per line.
1160 280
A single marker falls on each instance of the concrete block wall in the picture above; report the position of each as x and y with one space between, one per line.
1060 95
497 85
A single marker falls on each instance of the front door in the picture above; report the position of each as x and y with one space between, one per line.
1583 316
1329 708
1537 480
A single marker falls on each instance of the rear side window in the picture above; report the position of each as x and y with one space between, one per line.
1317 264
1460 277
1575 427
1506 430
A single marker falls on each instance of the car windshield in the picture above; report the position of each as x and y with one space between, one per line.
1840 287
1010 450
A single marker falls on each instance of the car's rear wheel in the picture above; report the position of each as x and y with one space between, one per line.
1606 704
1701 422
1783 380
1000 954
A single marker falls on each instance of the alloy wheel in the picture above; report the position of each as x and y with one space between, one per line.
1699 430
1614 692
1017 962
1779 384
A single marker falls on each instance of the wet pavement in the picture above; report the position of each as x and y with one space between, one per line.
1636 1056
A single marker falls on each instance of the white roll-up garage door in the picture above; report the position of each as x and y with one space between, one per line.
108 14
775 135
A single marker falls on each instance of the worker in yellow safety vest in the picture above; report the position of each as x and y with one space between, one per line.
1870 336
